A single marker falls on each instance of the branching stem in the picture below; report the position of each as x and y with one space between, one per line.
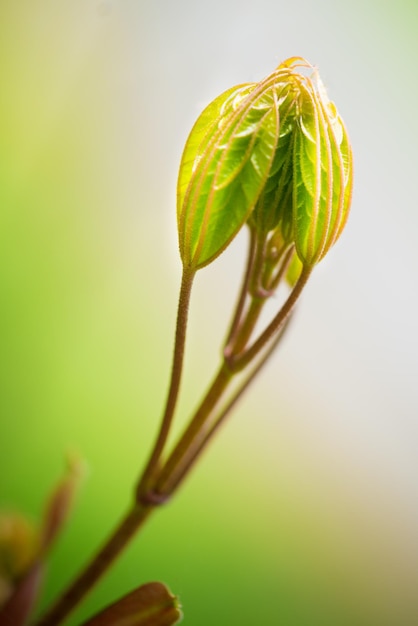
241 361
219 419
160 479
126 529
194 433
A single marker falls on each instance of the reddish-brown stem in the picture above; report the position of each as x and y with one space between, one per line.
203 424
193 433
283 267
246 329
239 310
241 361
262 275
129 525
137 516
176 372
159 482
216 422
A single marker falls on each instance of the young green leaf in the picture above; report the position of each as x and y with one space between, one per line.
201 133
274 206
322 175
233 156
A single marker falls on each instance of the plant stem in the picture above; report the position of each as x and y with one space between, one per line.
235 360
127 528
188 463
286 256
246 329
241 361
259 284
176 372
137 516
159 482
193 433
239 309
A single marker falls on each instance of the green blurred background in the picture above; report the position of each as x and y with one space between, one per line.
304 510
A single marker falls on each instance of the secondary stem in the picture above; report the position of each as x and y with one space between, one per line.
235 360
157 483
215 423
193 433
241 361
239 309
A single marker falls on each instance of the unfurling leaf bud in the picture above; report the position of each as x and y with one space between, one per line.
274 154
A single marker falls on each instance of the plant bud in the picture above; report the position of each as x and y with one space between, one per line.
322 174
275 154
151 604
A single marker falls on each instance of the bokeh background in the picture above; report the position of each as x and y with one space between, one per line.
304 511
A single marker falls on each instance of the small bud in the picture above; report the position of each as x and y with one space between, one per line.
20 571
275 154
23 549
19 544
59 505
149 605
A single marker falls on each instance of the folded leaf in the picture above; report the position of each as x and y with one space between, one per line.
322 175
274 154
274 206
203 129
23 550
59 505
232 154
149 605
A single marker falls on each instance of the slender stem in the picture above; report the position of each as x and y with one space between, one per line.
286 258
129 525
176 372
246 329
158 482
256 286
193 433
241 361
252 287
203 424
188 463
137 516
242 329
239 310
